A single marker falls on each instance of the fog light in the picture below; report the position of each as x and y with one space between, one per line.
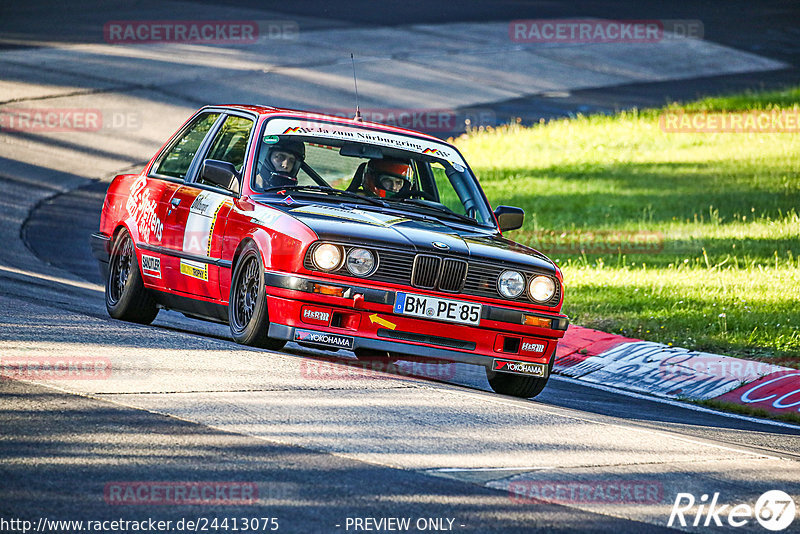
324 289
533 320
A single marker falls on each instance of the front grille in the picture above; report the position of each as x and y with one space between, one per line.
433 272
393 267
482 280
426 271
452 275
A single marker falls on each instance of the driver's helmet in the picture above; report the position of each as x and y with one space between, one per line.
282 161
387 178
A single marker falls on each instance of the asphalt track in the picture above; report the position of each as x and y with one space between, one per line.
184 403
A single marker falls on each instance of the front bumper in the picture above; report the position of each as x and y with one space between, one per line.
423 352
362 318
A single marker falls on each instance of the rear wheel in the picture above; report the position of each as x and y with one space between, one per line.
247 306
518 385
126 297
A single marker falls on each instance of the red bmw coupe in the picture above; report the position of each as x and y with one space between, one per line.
332 233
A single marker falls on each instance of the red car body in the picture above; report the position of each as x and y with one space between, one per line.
188 237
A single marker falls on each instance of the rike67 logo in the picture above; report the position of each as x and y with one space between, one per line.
774 510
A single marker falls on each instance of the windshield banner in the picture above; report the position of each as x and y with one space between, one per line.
310 128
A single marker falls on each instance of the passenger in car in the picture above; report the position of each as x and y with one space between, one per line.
386 178
279 163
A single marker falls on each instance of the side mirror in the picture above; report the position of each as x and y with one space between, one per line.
219 173
509 217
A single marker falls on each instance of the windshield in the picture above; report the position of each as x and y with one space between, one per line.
386 177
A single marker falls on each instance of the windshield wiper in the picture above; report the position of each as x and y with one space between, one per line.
439 209
327 191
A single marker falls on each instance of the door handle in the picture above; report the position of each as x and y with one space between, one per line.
175 202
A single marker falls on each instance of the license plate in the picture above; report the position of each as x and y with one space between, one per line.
454 311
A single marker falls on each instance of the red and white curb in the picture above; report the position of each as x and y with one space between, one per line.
673 372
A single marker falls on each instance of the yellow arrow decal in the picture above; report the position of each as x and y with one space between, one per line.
375 318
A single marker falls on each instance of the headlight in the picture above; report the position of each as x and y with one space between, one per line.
511 284
327 257
360 262
541 288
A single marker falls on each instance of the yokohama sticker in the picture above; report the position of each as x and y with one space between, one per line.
323 338
522 368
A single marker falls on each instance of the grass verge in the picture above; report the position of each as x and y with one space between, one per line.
689 239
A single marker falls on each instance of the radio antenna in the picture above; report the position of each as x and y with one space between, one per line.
355 83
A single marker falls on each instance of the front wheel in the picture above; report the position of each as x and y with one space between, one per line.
247 306
126 297
518 385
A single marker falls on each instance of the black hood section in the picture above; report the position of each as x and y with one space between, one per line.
411 232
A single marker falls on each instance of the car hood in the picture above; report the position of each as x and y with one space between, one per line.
356 224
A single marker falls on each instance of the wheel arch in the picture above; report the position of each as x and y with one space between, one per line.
240 248
115 234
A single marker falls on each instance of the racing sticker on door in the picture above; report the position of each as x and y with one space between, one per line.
199 229
151 266
195 269
143 209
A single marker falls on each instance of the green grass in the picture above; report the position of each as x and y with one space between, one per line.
725 208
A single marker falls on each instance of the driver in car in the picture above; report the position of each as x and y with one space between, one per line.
387 178
279 163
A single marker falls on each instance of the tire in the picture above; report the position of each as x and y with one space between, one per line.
247 306
518 385
126 297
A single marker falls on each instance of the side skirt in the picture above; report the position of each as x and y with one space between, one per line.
192 307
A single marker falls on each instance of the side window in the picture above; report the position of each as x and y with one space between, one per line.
175 161
447 195
230 143
336 170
